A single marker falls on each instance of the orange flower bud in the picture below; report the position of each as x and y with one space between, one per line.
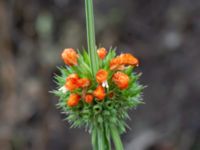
121 80
69 56
73 100
72 82
101 76
102 53
116 63
99 93
88 98
84 82
129 59
119 62
72 76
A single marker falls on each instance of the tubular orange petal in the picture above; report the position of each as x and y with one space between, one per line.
72 82
119 62
129 59
84 82
121 80
116 64
101 76
72 76
69 56
73 100
89 98
102 53
99 93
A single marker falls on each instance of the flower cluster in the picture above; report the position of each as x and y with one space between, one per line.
90 98
73 81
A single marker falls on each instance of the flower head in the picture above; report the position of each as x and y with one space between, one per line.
69 56
83 82
73 100
102 53
72 82
89 98
101 76
99 93
121 80
116 64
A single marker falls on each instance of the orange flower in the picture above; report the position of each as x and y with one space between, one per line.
84 82
101 76
129 59
88 98
72 82
73 100
124 59
69 56
102 52
116 63
99 93
121 80
72 76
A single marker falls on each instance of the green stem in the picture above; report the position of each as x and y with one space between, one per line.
107 136
91 36
94 139
116 138
101 137
101 140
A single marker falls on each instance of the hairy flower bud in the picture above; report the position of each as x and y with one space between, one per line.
73 100
72 82
83 82
102 53
119 62
99 93
69 56
101 76
89 98
121 80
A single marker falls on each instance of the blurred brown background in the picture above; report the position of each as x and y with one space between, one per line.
163 34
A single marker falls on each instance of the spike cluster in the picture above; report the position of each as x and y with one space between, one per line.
101 101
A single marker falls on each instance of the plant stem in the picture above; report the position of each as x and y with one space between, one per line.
94 139
116 138
101 137
107 136
91 36
101 140
101 132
